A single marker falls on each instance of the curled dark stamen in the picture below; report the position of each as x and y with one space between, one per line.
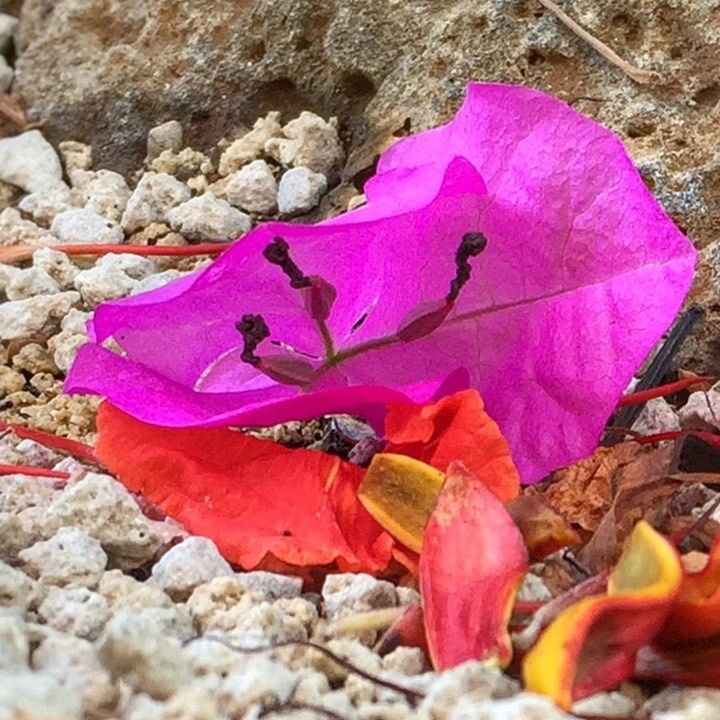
472 244
254 330
412 696
278 253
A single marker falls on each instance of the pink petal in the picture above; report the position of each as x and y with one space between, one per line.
582 274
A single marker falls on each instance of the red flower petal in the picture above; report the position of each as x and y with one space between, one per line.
256 499
454 428
472 561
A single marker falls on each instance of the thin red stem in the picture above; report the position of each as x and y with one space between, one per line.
644 395
145 250
709 438
34 471
22 253
72 447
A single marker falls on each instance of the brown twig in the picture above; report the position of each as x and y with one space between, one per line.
634 73
412 696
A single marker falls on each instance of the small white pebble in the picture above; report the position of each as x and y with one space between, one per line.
209 219
80 226
70 558
300 190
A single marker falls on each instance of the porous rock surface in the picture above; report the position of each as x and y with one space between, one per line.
108 71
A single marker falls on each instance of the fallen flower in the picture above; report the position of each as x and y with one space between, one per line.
402 485
456 427
472 562
516 243
592 645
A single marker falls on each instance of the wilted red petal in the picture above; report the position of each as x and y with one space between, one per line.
454 428
691 663
253 497
696 613
592 645
472 561
544 530
407 631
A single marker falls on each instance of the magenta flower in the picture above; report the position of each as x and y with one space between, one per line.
515 250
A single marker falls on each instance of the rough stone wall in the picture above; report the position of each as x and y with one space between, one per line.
105 71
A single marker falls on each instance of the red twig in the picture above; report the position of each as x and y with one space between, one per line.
34 471
709 438
72 447
21 253
656 392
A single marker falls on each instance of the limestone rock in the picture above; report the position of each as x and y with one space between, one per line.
8 28
29 161
251 145
702 411
22 318
194 561
20 283
309 142
75 664
151 201
185 164
43 205
208 219
77 159
13 537
112 276
69 558
271 585
300 190
80 226
144 657
14 641
253 188
167 136
156 280
264 682
58 265
65 344
109 72
470 684
684 703
104 509
37 695
104 192
15 230
34 358
17 590
10 381
126 593
351 593
75 611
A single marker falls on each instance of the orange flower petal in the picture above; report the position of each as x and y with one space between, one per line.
696 613
454 428
471 564
259 501
592 645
